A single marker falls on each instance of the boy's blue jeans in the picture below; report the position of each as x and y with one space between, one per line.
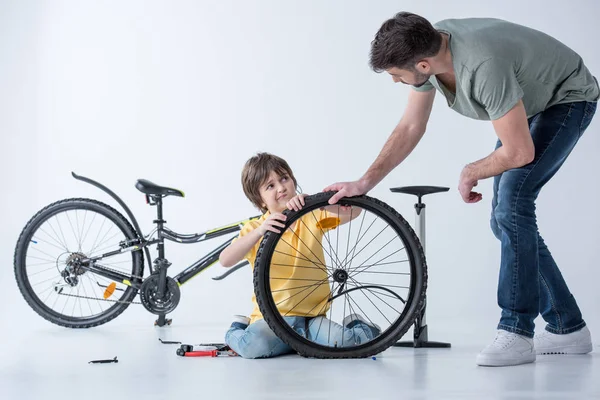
530 281
257 340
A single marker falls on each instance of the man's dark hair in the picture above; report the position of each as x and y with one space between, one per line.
402 41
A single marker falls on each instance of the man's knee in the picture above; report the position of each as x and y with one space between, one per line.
494 225
515 211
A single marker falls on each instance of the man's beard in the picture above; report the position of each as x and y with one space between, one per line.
421 78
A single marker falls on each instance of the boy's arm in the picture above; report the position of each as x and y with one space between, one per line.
345 214
242 245
236 251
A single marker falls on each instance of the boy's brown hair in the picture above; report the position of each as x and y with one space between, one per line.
257 170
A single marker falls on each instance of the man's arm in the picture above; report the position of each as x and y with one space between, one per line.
403 139
516 151
399 145
517 145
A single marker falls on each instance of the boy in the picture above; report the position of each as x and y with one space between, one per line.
270 185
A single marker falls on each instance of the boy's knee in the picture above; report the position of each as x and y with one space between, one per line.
254 346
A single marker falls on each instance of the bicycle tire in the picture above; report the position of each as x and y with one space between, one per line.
25 239
414 302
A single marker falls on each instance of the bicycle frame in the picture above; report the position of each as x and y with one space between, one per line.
163 233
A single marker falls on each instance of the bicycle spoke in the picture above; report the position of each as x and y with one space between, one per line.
297 266
316 287
356 244
365 314
40 272
325 235
292 288
98 235
380 294
61 231
60 246
90 227
330 322
300 258
42 259
344 261
308 247
57 238
378 307
371 241
43 252
93 251
374 264
73 230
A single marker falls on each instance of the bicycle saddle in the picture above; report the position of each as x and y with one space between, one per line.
419 191
145 186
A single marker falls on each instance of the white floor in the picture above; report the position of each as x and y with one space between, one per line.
48 362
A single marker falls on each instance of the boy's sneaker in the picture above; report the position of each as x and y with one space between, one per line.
240 321
579 342
354 319
507 349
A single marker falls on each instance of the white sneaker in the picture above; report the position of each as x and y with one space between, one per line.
507 349
579 342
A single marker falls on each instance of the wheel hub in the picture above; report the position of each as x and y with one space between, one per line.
74 264
340 276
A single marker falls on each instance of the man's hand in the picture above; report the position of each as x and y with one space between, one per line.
346 189
466 185
296 203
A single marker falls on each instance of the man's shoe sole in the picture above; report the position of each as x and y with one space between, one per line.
491 362
570 349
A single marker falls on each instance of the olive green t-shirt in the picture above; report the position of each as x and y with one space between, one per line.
496 63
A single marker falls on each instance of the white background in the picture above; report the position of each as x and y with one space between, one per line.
183 93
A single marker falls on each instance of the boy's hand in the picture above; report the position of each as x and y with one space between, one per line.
297 202
272 223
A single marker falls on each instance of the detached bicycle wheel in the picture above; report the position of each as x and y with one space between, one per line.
341 281
49 256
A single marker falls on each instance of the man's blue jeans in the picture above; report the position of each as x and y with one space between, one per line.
530 281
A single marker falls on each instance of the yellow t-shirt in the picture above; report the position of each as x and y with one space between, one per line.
298 273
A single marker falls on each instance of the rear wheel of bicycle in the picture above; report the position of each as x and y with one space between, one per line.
341 281
48 269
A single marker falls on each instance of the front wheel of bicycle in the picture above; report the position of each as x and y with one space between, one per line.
341 281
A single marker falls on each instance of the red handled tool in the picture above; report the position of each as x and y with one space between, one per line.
208 353
186 350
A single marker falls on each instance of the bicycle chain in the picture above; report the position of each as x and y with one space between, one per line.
98 298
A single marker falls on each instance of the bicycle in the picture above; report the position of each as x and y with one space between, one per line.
324 330
159 293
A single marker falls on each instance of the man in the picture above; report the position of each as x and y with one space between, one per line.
540 98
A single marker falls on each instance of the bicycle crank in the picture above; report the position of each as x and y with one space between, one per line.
152 302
